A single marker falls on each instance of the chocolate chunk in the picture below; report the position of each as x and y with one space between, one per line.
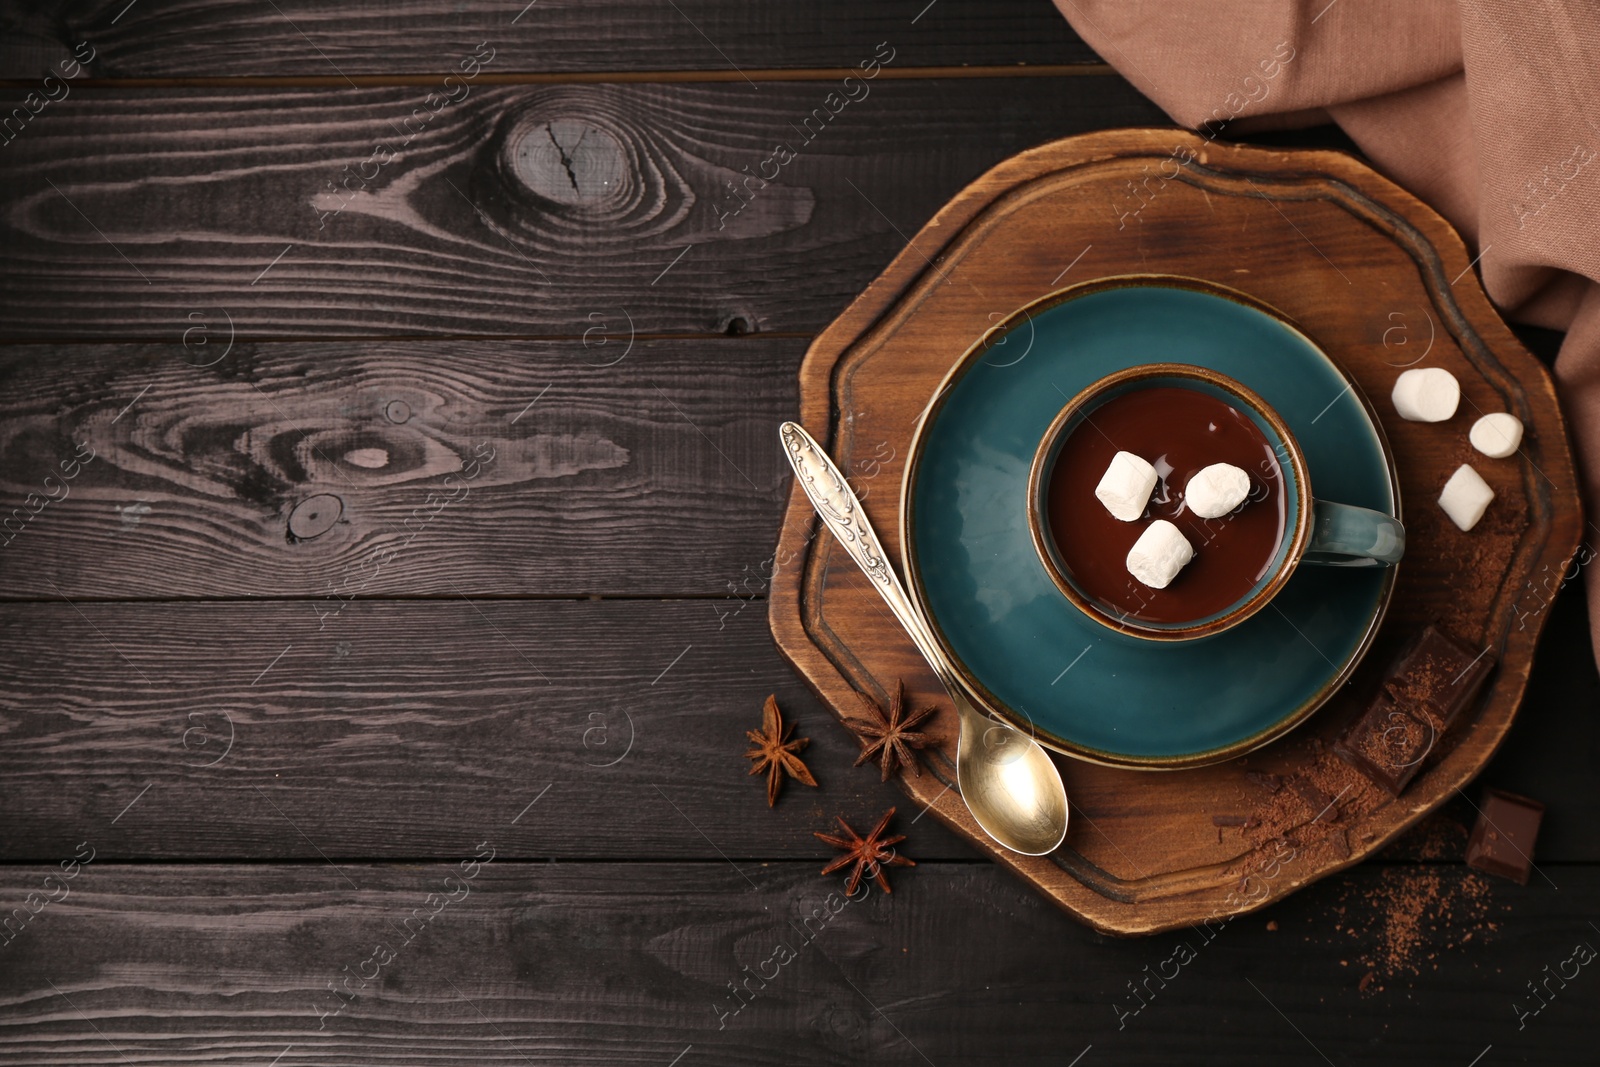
1388 745
1502 841
1270 782
1428 686
1438 676
1320 803
1228 820
1340 845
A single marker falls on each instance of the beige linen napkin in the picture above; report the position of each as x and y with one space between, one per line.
1489 110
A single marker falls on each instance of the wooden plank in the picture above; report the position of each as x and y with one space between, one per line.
631 964
604 464
298 38
521 210
216 730
380 730
1550 752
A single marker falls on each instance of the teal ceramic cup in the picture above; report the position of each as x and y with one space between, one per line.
1316 532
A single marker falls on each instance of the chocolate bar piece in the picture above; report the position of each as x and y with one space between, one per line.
1428 686
1502 841
1387 744
1270 782
1323 807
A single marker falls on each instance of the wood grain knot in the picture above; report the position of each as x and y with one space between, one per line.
573 163
370 458
579 171
397 411
572 167
314 516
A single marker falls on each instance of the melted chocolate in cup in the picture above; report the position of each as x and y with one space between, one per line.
1178 431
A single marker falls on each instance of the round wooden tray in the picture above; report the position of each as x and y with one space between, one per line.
1382 282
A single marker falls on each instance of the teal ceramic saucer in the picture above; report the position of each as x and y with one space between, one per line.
1078 687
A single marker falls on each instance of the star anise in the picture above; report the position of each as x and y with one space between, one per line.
775 753
891 734
869 854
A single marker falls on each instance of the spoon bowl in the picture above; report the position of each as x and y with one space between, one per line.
1008 781
1010 784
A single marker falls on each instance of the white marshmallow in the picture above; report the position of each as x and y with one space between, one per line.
1125 486
1497 435
1159 554
1216 490
1466 497
1426 394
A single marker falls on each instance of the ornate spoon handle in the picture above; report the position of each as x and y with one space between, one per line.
1006 780
842 513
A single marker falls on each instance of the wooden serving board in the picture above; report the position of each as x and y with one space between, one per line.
1381 282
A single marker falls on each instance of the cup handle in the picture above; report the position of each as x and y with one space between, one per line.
1345 536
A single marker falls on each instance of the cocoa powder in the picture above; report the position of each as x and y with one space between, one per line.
1405 919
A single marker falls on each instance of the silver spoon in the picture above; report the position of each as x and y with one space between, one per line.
1009 783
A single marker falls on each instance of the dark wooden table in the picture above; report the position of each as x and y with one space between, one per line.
376 692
